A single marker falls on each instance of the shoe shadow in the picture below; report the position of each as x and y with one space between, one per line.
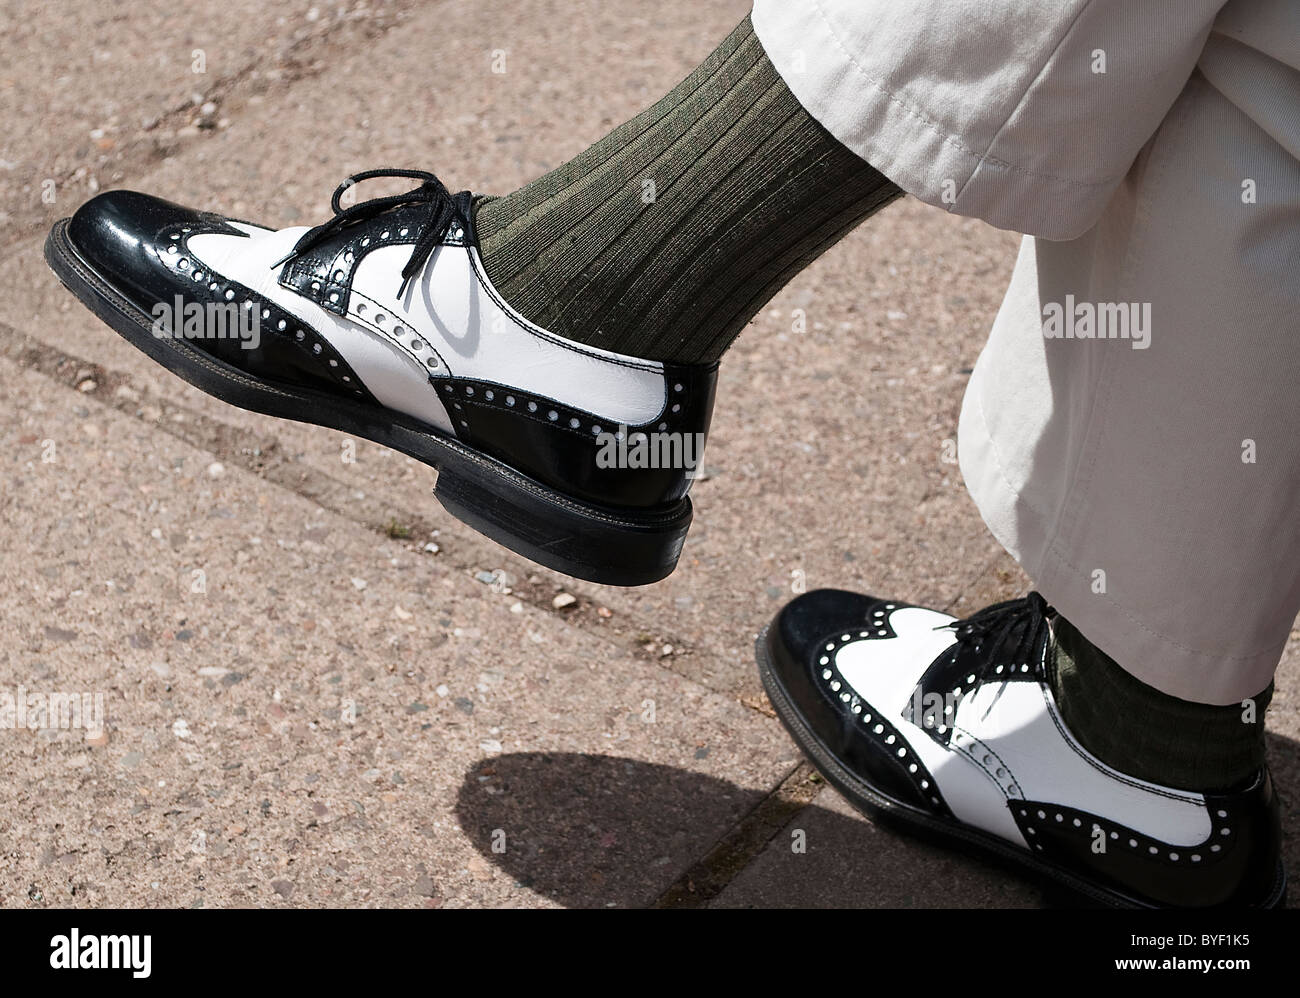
594 831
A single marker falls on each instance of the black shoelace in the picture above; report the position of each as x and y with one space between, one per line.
445 209
1007 634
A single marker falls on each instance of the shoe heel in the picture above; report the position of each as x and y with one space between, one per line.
610 547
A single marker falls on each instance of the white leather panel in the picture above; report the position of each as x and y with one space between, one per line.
1015 723
453 308
392 377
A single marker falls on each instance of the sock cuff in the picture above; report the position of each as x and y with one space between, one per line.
664 238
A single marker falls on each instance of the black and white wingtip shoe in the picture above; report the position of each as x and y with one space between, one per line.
383 324
950 728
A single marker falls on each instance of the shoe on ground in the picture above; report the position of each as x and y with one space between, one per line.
949 728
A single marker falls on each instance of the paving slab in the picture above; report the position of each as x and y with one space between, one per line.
296 712
93 92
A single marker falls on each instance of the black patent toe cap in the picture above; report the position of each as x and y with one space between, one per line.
805 622
795 645
121 234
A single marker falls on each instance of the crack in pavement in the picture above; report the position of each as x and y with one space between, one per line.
744 842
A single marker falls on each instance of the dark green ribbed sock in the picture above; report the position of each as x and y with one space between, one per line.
666 237
1142 732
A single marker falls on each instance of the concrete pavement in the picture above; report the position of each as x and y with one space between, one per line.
340 716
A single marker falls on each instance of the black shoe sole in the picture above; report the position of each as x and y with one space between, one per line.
614 547
945 831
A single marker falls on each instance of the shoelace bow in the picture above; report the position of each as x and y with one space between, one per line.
444 209
1004 634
